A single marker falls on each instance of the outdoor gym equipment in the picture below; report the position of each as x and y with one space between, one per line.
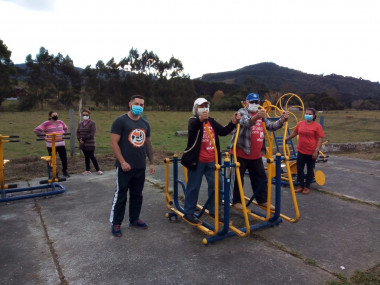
292 103
3 162
278 171
271 218
274 176
228 229
52 160
50 184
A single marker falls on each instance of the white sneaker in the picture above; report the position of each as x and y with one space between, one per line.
86 172
100 172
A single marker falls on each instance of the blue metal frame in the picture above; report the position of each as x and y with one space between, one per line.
224 232
53 191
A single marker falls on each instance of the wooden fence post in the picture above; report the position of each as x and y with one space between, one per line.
72 131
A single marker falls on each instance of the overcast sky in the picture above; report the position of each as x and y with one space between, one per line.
317 37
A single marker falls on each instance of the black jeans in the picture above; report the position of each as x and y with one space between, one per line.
89 155
62 155
133 181
303 159
258 179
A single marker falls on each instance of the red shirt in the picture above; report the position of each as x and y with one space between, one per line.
257 139
308 135
207 152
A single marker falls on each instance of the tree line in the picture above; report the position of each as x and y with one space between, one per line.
53 80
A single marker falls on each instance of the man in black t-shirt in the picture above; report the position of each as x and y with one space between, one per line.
130 142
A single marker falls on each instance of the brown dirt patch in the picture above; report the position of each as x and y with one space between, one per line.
23 169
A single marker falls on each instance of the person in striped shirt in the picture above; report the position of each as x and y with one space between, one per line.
53 125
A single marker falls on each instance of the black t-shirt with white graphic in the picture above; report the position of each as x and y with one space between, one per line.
133 134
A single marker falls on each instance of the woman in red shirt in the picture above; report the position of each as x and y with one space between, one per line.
200 157
310 136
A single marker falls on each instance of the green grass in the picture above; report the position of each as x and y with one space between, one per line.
364 126
369 277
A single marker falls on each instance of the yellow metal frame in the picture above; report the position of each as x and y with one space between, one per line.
216 182
246 212
52 160
290 180
267 106
3 162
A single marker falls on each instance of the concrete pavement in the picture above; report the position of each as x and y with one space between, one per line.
66 239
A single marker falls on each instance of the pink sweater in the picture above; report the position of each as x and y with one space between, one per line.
48 127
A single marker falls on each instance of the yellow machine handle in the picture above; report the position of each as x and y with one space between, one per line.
241 191
286 152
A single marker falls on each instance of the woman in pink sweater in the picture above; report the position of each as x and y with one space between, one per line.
53 125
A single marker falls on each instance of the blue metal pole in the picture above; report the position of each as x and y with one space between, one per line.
322 121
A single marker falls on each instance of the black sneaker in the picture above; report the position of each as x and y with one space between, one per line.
139 224
192 219
116 231
65 174
221 218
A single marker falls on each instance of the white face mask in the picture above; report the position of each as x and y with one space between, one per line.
86 117
253 107
201 110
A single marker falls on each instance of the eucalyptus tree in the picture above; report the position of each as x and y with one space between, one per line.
53 77
175 67
149 61
41 75
114 82
93 84
134 60
67 80
7 72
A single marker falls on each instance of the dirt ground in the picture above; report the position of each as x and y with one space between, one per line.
27 168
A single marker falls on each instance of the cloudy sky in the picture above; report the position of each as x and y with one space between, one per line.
317 37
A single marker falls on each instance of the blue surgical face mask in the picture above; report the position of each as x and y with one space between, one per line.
308 117
137 110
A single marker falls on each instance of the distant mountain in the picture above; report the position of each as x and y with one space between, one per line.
266 76
279 78
21 67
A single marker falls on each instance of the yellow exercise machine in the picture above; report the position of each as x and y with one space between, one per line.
279 169
3 162
229 229
292 103
50 184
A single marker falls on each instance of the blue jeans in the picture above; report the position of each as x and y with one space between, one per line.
194 183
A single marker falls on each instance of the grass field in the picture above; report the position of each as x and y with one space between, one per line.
339 127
